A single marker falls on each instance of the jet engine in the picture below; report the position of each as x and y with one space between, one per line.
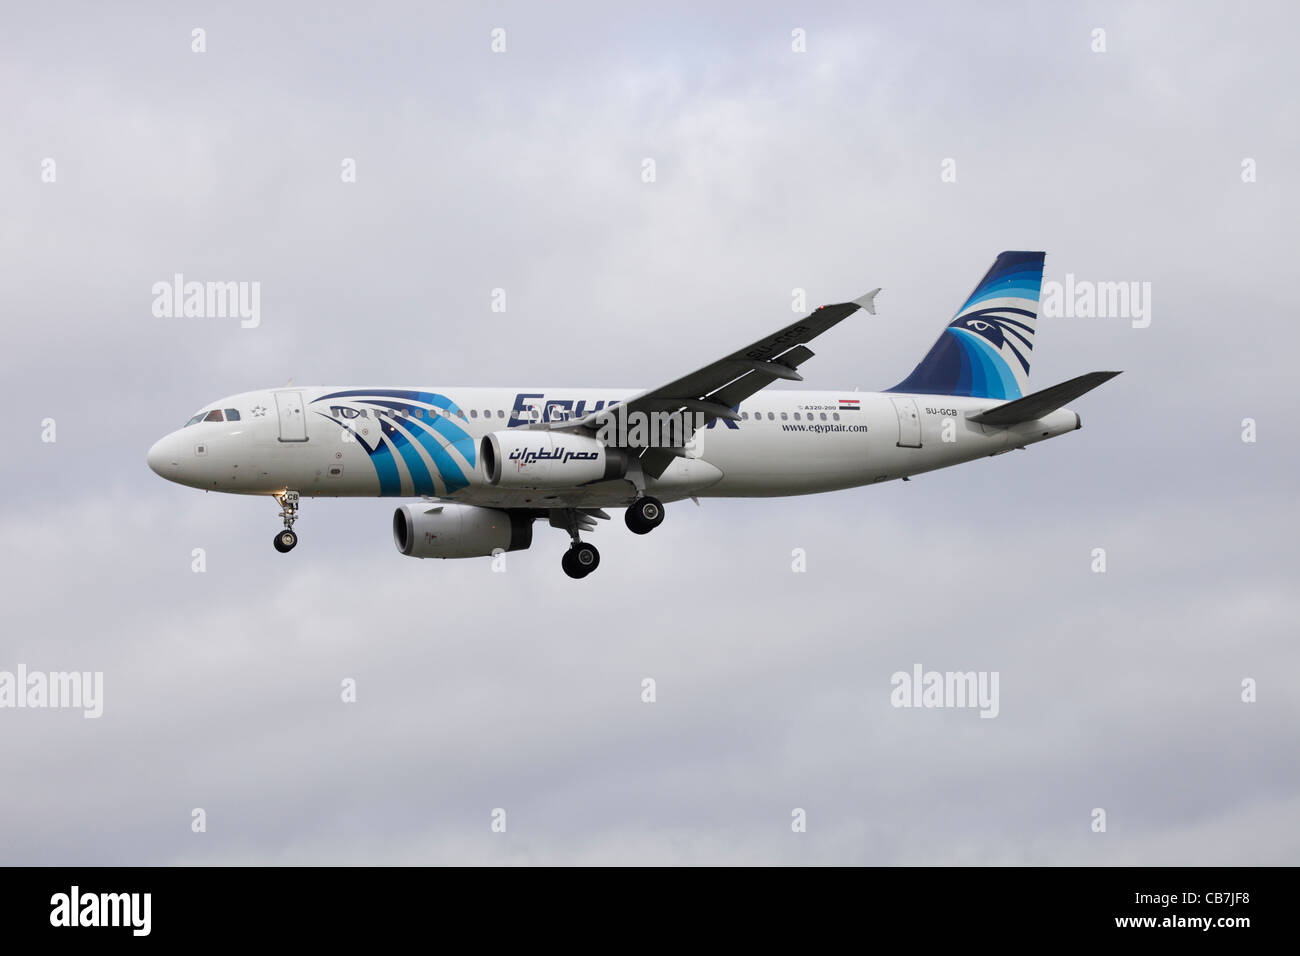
431 530
532 458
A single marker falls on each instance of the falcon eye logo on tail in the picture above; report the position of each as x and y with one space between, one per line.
984 352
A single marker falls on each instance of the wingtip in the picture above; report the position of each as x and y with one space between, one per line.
867 301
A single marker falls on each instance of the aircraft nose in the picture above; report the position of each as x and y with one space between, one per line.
162 457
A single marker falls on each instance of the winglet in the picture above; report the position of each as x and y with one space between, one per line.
867 301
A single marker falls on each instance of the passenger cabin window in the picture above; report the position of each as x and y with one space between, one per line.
213 416
784 416
500 413
771 416
473 413
232 414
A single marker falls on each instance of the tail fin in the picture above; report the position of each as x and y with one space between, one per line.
984 352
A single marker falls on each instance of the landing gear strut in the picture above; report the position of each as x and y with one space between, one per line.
286 539
581 558
644 515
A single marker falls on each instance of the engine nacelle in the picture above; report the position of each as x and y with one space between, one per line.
532 458
458 531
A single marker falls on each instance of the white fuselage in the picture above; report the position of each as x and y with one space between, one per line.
341 442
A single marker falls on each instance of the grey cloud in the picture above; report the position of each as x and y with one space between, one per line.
481 690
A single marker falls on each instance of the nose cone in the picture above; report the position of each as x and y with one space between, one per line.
163 457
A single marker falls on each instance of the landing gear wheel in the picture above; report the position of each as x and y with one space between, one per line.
580 560
286 539
644 515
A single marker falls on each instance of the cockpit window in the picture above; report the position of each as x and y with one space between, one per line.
232 414
196 418
213 416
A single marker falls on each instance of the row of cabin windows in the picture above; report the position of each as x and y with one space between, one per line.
771 416
216 415
408 413
232 415
487 413
432 413
744 416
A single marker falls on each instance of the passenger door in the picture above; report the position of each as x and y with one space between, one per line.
909 421
293 420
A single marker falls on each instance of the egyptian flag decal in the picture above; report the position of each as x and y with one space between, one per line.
850 405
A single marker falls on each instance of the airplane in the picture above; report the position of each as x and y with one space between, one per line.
486 463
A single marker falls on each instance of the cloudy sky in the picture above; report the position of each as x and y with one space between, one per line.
776 170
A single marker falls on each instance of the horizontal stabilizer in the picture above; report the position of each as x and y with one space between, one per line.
1042 403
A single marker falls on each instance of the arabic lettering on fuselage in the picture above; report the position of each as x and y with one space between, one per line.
528 456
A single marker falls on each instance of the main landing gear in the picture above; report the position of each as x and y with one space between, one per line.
580 560
286 540
644 515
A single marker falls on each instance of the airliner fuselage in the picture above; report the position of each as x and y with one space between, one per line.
342 442
484 464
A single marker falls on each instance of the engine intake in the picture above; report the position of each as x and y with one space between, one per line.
459 531
529 458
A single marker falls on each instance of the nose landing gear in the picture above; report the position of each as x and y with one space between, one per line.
286 540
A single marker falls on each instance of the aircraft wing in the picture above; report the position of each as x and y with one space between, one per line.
716 389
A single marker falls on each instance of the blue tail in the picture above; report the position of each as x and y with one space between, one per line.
984 352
